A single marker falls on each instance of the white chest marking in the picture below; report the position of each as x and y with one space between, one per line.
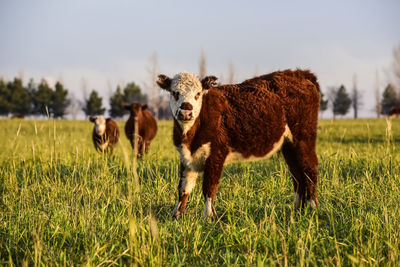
186 126
196 160
236 156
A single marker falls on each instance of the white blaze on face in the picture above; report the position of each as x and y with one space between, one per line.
186 88
100 125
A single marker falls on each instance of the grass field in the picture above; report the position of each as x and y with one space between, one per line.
61 203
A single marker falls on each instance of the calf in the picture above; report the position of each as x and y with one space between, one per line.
216 125
394 112
105 134
147 126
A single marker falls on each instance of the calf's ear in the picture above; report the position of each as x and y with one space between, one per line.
92 118
208 82
127 106
145 106
164 82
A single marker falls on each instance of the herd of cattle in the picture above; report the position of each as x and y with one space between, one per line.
218 124
106 132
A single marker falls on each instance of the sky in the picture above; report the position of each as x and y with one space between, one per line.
98 44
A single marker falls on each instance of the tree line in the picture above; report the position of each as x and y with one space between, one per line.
20 100
42 100
341 101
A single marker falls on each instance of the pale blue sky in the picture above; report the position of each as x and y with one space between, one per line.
111 42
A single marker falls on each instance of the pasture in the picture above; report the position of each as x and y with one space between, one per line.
62 203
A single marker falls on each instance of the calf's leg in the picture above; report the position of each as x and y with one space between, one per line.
212 174
147 146
140 147
186 184
303 164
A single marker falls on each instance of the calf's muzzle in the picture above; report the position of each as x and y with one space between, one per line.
185 112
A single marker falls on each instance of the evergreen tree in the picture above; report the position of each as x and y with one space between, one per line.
42 98
20 98
5 99
323 104
116 104
59 101
31 86
31 90
342 102
132 92
389 99
93 105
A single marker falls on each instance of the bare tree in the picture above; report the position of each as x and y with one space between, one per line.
378 107
110 88
257 71
221 79
122 83
74 107
84 87
202 64
151 86
331 95
356 97
61 78
231 74
21 75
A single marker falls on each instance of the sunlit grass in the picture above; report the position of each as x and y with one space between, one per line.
63 203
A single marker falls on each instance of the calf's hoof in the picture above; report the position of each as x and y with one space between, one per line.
299 203
176 213
209 211
312 203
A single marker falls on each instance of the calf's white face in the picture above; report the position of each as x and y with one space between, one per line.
100 125
186 96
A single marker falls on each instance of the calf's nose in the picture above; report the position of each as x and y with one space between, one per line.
185 115
185 111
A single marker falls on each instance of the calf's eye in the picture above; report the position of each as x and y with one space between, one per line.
197 96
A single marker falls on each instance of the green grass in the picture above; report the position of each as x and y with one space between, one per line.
61 203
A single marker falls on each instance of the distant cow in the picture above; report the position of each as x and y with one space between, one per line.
105 134
18 116
215 125
394 112
146 123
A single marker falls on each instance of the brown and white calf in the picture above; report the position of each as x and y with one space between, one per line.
394 112
105 134
216 125
147 126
